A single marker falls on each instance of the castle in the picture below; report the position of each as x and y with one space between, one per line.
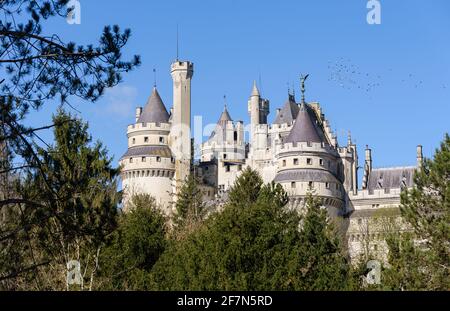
298 150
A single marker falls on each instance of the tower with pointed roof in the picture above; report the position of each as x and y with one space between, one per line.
225 150
148 166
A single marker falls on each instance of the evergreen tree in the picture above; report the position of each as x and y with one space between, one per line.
69 206
246 188
420 260
254 244
325 265
134 247
190 208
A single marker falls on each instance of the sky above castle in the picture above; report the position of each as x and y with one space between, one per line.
389 84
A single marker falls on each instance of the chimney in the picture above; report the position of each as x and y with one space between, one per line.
369 158
138 113
419 156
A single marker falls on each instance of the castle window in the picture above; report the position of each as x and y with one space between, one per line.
235 136
327 185
309 144
134 141
309 161
148 173
224 155
284 163
131 160
158 159
206 168
227 168
146 139
293 185
161 140
321 162
310 184
172 160
144 159
295 161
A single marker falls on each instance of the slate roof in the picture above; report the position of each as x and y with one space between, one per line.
391 178
219 132
305 128
141 151
154 111
306 175
288 113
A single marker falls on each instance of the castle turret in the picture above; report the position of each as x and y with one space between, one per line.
307 163
148 165
180 133
258 109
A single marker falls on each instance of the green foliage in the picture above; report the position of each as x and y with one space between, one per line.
254 244
246 189
68 204
420 260
190 208
134 247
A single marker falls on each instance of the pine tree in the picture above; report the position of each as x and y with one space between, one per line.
325 265
190 207
255 243
69 206
134 247
422 256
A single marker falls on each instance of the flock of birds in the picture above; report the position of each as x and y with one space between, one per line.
351 77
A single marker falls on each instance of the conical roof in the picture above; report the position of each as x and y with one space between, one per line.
305 128
219 132
288 113
225 116
154 111
255 91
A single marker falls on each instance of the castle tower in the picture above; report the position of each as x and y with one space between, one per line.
258 108
180 133
148 165
308 163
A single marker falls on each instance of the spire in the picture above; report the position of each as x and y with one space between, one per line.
255 91
154 111
302 80
225 116
305 128
349 139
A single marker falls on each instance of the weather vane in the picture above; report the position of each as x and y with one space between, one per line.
302 80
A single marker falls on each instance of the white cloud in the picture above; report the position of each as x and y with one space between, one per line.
121 100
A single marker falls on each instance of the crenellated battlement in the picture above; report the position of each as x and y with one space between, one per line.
137 127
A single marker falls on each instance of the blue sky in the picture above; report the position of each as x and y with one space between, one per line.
389 84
